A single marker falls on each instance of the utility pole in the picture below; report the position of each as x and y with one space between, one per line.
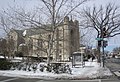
104 44
102 36
103 55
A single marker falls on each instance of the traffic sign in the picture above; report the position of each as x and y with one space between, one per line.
99 39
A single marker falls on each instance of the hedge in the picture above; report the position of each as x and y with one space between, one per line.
4 64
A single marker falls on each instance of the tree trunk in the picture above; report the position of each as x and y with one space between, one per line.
48 56
98 54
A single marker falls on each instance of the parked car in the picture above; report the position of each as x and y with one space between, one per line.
117 56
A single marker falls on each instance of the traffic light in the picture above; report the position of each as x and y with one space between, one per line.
104 33
99 43
105 43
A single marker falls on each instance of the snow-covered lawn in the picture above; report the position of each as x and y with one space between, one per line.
91 70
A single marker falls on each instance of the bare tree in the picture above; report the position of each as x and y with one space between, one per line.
86 37
10 47
48 17
3 47
4 24
105 20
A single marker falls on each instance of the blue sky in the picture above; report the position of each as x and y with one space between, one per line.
28 4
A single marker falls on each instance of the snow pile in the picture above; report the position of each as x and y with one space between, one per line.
91 70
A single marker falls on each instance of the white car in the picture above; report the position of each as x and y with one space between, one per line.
117 56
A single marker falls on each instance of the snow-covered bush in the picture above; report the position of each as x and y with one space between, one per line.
42 67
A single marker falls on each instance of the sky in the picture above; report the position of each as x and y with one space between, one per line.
28 4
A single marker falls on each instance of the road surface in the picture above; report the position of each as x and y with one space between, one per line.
114 65
14 79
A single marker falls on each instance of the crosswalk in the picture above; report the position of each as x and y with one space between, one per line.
117 73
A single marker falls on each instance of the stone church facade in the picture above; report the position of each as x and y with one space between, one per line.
66 40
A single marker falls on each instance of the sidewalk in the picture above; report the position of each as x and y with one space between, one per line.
90 71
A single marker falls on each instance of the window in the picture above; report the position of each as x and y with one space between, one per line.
60 51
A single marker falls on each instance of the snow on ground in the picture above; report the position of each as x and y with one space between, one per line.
91 70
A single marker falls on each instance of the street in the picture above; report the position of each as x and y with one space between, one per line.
15 79
114 65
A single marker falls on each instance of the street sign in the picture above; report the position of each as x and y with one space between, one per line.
99 39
